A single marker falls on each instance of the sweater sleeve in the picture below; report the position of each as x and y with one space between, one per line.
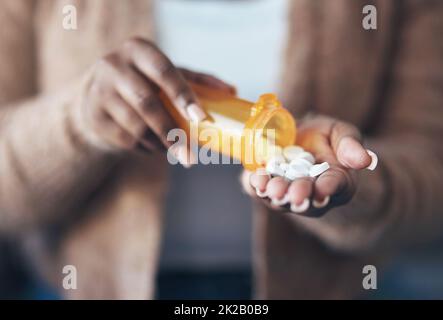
401 201
48 166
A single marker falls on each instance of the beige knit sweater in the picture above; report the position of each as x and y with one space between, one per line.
71 203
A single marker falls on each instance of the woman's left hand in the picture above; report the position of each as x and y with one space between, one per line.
329 140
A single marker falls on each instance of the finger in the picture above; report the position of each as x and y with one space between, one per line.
336 184
276 188
259 181
245 180
158 68
118 136
125 116
300 190
320 146
150 142
346 143
208 80
137 92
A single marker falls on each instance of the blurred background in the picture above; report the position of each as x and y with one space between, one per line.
206 247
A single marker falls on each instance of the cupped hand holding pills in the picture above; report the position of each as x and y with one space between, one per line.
316 174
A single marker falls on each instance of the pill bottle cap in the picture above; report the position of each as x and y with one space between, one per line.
269 121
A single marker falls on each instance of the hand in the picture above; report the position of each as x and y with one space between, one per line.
333 141
121 104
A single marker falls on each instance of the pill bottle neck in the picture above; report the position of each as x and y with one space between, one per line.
270 125
233 118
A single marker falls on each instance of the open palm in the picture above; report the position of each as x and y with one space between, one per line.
329 140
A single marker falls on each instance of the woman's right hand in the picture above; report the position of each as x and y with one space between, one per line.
121 100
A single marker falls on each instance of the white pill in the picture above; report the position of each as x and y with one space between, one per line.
301 165
284 166
277 159
293 174
292 152
274 169
307 156
318 169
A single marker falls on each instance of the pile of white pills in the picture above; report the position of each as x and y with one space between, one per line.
294 162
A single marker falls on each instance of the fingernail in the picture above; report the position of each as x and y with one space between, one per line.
260 193
321 204
195 113
280 202
300 208
374 161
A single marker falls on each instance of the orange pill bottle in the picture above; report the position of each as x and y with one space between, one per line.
237 128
